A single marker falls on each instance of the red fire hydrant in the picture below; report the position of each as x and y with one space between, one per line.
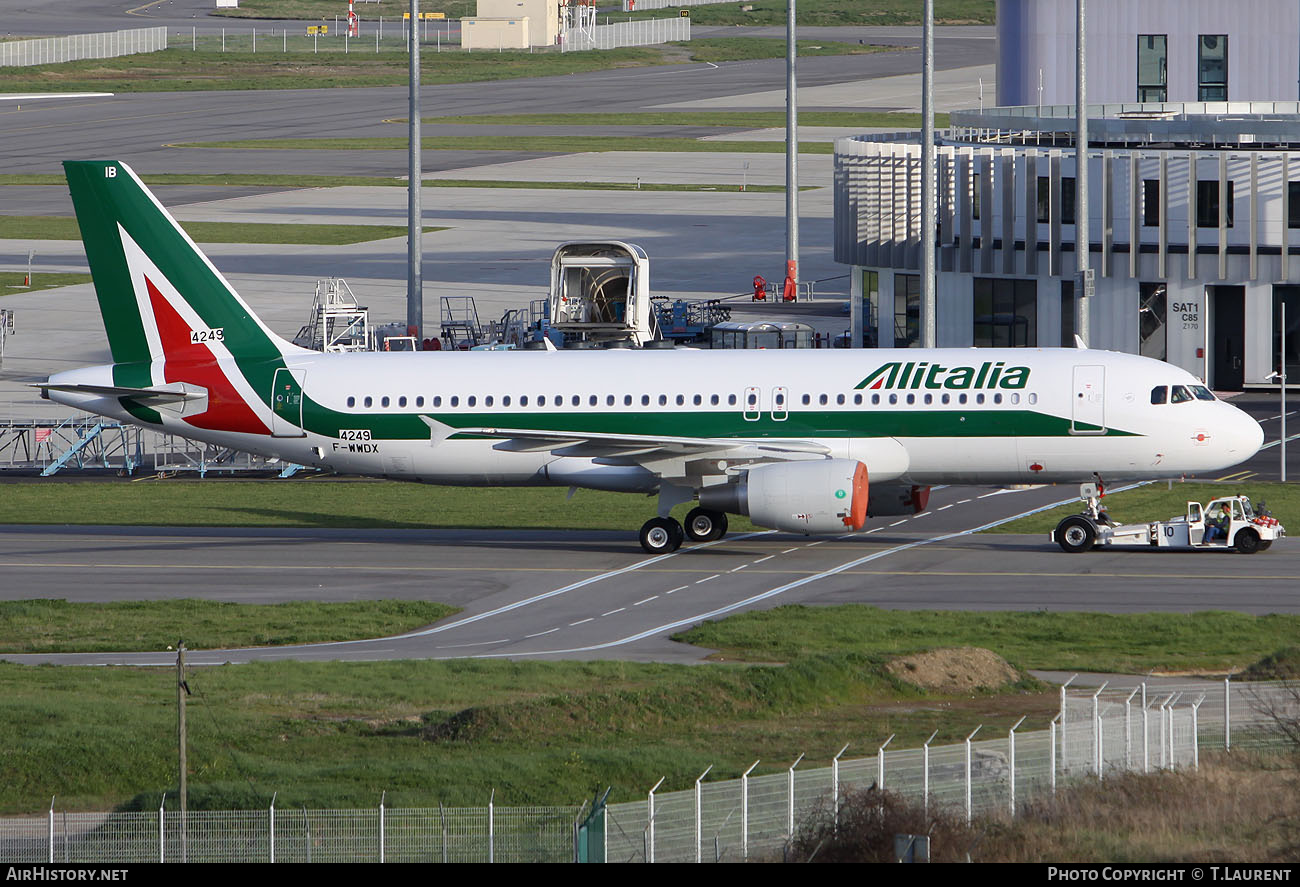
760 288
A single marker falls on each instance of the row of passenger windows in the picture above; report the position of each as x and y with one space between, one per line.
663 400
1180 394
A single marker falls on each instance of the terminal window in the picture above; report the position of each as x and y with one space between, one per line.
1207 204
1006 313
1152 69
1212 68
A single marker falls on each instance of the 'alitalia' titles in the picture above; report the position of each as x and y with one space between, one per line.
916 375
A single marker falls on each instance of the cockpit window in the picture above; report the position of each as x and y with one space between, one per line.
1179 394
1159 394
1202 393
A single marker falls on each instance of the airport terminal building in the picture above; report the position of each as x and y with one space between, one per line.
1194 222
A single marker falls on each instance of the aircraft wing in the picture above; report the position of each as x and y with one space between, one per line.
640 449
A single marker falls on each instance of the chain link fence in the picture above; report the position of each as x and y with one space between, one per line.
1111 730
646 32
1107 731
451 834
109 44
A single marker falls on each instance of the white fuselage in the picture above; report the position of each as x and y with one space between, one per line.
928 417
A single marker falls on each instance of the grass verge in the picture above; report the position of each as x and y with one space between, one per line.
310 181
337 734
764 12
1161 501
11 282
321 503
63 228
1210 642
737 119
538 144
58 626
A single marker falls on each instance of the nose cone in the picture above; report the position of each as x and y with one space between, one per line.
1245 436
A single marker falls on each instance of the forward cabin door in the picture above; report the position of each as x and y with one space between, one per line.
286 403
1089 400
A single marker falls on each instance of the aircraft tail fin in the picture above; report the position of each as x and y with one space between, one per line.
158 293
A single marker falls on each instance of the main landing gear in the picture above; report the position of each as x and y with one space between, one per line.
661 535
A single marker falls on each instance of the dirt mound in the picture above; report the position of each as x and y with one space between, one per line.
954 670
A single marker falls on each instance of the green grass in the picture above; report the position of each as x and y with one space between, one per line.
12 281
1211 642
1160 501
737 119
320 503
310 181
63 228
769 12
179 68
339 734
58 626
539 144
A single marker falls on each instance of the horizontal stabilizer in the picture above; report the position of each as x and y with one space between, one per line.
179 398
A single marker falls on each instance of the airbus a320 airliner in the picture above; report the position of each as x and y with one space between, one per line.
800 441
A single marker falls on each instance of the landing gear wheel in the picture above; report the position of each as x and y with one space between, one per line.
1075 534
703 525
661 535
1247 541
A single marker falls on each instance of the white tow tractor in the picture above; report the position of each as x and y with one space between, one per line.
1244 528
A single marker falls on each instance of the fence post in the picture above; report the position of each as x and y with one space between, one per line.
880 763
51 828
1128 730
744 811
492 826
1227 713
835 785
1146 732
650 823
383 796
442 812
1052 732
789 821
1096 728
1196 739
273 794
925 774
968 774
1011 749
162 830
699 834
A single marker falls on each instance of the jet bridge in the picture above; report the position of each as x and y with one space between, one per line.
600 293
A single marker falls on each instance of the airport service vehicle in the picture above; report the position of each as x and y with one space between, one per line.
811 442
1244 528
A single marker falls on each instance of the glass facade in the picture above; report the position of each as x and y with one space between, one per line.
1212 68
1153 335
1207 203
1006 313
907 310
1153 68
1287 341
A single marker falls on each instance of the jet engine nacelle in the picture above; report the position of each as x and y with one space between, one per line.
822 496
888 500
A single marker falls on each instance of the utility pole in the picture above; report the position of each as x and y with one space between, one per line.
414 254
182 689
791 288
1083 279
929 302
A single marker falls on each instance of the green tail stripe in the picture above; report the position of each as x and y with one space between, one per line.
106 194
